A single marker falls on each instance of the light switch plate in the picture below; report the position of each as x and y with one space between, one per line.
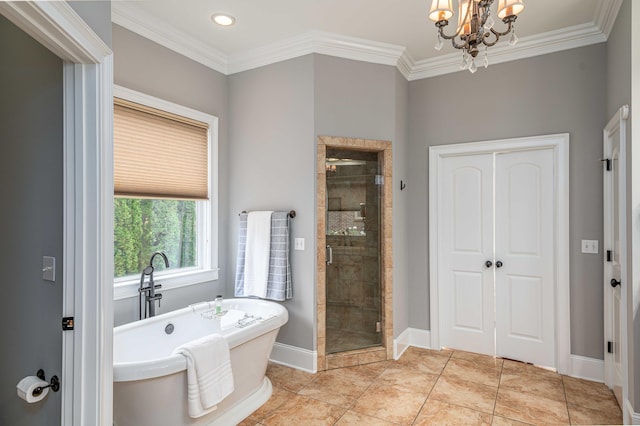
590 246
48 268
298 244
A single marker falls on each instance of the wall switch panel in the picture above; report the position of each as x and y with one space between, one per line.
298 244
590 246
48 268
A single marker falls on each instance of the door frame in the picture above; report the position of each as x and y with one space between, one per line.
364 356
559 143
618 123
87 364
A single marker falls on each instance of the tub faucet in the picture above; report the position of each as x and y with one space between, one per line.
150 290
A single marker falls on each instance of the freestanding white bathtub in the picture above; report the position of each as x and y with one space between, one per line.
150 384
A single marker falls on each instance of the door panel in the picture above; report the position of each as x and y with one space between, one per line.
613 269
524 244
525 294
466 284
468 312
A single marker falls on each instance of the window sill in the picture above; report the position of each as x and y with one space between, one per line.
129 288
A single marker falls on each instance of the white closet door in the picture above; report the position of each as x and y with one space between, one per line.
465 282
524 232
613 235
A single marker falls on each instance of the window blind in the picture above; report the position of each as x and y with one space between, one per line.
158 154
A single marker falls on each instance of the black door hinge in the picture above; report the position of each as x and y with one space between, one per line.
608 163
609 255
67 323
610 347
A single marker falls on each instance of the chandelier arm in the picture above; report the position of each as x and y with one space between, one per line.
441 25
498 34
507 21
464 45
486 42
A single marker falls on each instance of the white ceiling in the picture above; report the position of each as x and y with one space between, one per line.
381 31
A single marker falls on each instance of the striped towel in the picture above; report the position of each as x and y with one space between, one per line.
279 279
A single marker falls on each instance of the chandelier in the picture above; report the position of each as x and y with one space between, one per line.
475 26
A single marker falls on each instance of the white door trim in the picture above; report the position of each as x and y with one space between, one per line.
560 145
87 364
617 123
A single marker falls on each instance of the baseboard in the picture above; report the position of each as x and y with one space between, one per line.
292 356
631 416
587 368
411 337
306 360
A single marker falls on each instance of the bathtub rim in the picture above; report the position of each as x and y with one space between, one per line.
158 367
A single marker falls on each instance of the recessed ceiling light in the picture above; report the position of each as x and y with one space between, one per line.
223 19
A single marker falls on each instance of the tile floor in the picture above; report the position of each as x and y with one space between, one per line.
428 387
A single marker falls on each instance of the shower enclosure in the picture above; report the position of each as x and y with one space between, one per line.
354 252
354 182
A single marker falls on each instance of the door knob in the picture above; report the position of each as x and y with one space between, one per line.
615 283
488 264
499 264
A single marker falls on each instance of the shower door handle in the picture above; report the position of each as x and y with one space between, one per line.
329 255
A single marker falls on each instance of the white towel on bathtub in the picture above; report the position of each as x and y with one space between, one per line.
209 375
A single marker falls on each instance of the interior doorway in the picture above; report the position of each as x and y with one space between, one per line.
354 252
499 248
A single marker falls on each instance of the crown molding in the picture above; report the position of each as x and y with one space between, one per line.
134 19
59 28
527 47
317 42
606 14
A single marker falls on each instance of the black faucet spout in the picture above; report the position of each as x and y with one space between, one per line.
164 257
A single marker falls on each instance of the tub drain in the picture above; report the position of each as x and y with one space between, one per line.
169 328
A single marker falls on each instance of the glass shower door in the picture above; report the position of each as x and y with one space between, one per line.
353 277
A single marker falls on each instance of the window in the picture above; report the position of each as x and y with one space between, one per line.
165 191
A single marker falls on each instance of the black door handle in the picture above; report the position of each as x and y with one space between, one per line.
615 283
499 264
488 264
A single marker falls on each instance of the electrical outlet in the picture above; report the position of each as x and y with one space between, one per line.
298 244
590 246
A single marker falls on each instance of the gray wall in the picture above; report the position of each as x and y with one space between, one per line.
555 93
363 100
401 199
144 66
276 112
31 130
354 99
97 14
271 167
